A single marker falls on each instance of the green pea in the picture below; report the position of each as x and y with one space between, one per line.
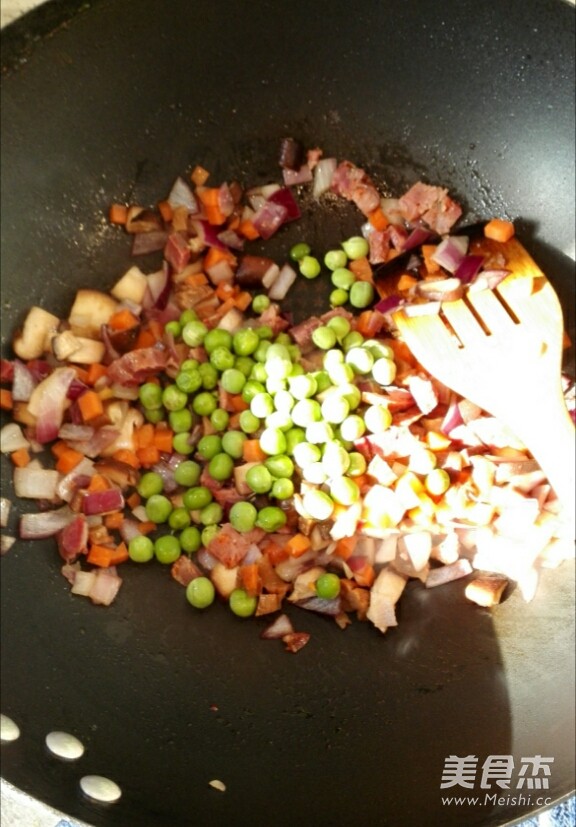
280 465
196 498
303 386
181 443
335 409
158 508
356 247
298 251
324 337
261 405
244 364
219 419
167 549
352 339
260 303
279 420
187 473
248 422
304 454
309 267
357 464
361 359
318 504
294 437
200 592
233 380
250 389
264 331
217 338
437 482
377 418
189 364
173 398
352 427
283 401
384 371
245 341
335 259
211 514
273 441
270 518
306 411
204 403
187 315
344 490
190 539
259 373
241 603
189 380
340 325
361 294
174 328
221 467
209 376
180 421
209 446
233 443
342 278
141 549
328 586
222 359
154 416
317 433
193 333
338 297
259 479
243 516
179 518
150 396
282 489
150 483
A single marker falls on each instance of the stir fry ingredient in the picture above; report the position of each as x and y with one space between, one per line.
263 462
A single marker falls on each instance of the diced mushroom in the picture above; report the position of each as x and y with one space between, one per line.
131 287
64 345
486 590
36 334
91 309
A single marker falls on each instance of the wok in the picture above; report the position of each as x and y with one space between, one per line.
110 100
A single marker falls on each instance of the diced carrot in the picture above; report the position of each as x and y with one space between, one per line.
365 576
105 556
180 219
252 452
225 290
68 460
144 435
6 401
249 575
228 304
248 230
148 456
361 268
95 372
147 527
215 256
377 219
210 198
233 222
196 279
156 328
90 405
20 457
98 483
369 323
134 500
298 545
431 266
114 520
234 422
345 547
199 176
243 300
144 339
165 210
122 320
59 448
127 456
163 439
208 307
81 373
118 213
238 404
405 282
275 553
498 229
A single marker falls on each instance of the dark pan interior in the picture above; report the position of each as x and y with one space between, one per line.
110 101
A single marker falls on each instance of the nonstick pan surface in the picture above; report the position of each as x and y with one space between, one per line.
111 100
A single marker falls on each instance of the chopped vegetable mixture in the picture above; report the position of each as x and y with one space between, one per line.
192 424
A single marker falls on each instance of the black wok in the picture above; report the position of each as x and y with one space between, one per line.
110 101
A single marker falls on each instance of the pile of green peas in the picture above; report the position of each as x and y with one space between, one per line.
347 288
306 424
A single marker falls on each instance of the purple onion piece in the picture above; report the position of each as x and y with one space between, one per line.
469 268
